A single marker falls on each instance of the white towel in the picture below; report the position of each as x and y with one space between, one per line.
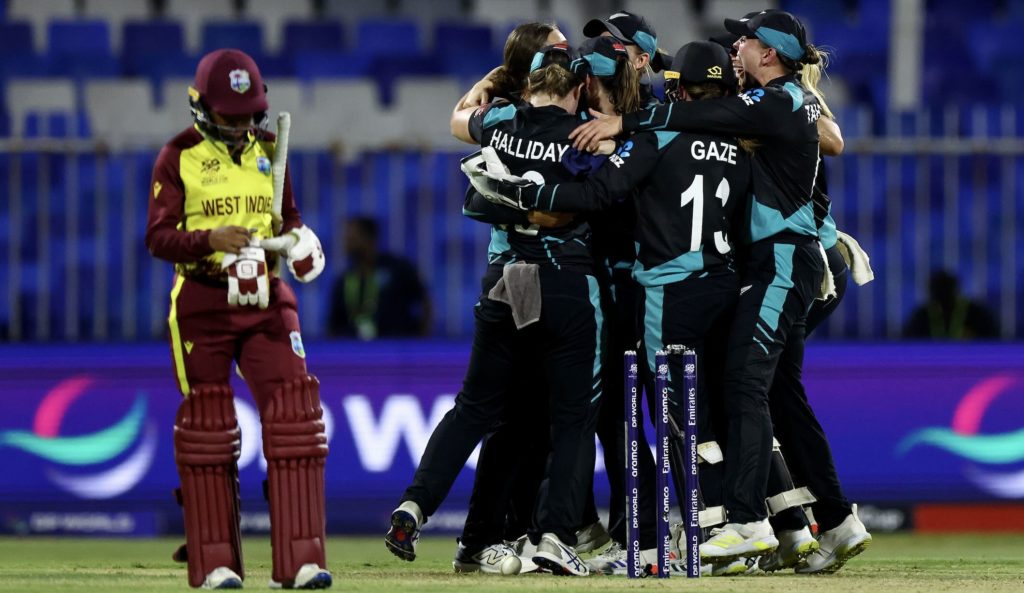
519 288
856 258
828 283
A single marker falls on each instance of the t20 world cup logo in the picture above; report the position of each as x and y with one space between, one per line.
80 464
994 458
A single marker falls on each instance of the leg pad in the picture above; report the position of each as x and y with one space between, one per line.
295 445
207 443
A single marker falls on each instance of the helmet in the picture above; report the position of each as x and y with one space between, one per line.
228 82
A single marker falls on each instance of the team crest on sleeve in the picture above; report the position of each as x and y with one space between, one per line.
297 346
263 165
239 81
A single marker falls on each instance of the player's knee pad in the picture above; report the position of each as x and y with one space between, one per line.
295 445
207 443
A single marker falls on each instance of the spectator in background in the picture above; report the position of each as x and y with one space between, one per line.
949 315
379 295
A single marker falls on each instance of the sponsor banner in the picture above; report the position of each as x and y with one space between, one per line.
82 523
89 425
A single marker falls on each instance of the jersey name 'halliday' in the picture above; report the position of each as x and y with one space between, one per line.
536 151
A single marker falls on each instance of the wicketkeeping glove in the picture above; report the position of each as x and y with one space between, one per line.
302 249
248 283
491 178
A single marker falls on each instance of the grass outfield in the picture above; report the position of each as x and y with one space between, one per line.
903 563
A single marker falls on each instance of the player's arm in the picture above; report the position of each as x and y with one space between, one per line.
290 215
761 112
830 137
623 171
166 206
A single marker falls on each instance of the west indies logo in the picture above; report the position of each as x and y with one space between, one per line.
91 451
962 438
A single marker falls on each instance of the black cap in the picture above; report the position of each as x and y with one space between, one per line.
702 61
727 39
627 27
775 28
602 53
544 56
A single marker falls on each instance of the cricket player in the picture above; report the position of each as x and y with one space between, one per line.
785 268
211 213
548 304
685 263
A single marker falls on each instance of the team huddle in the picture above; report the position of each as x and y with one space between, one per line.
619 223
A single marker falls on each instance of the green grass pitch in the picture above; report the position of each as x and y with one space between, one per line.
901 563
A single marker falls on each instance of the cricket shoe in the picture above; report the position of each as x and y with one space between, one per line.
837 546
794 547
738 567
591 538
309 576
559 558
615 560
222 577
738 540
525 549
677 567
405 530
493 559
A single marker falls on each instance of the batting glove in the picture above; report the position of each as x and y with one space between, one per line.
302 249
248 283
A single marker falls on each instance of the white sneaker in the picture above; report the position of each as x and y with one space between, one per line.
309 576
738 540
525 549
494 559
591 538
738 567
677 566
222 577
837 546
794 546
559 558
405 530
609 561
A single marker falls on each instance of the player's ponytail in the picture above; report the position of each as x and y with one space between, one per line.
811 73
625 86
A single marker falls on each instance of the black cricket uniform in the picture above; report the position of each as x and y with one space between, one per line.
691 192
803 440
531 142
614 256
784 270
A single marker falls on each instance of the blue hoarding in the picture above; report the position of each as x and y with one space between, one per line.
86 429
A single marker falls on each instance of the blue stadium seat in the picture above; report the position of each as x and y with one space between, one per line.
313 36
988 41
155 49
79 37
387 38
452 38
247 37
386 70
81 49
15 38
311 65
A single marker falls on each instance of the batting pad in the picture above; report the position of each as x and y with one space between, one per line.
295 445
207 443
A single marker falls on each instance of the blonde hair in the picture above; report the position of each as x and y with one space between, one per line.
811 73
555 79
